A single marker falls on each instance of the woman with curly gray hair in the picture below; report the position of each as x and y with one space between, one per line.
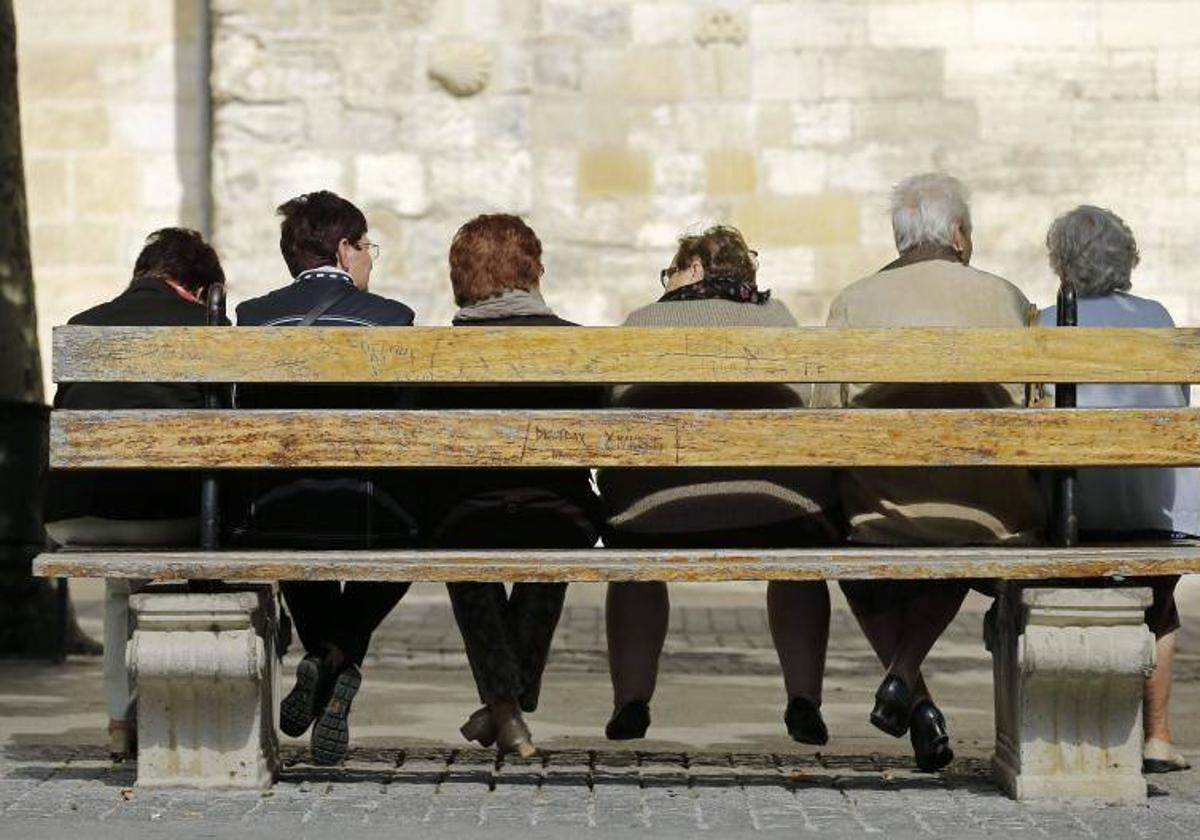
1094 251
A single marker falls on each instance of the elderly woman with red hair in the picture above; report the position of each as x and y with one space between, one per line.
496 270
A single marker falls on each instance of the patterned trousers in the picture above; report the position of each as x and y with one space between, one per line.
507 636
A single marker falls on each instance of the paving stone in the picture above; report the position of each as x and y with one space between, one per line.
605 789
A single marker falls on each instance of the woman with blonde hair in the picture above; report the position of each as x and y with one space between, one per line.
712 282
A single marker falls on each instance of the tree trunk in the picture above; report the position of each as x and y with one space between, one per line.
30 619
20 364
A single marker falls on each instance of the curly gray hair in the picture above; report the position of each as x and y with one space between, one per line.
1093 250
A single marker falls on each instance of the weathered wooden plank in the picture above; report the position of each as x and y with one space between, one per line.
595 565
632 438
623 354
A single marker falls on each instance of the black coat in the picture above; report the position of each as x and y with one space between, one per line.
450 492
321 508
127 494
288 306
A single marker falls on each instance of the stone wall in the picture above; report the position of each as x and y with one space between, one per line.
114 122
615 125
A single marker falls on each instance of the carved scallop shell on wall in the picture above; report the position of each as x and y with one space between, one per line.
720 26
462 69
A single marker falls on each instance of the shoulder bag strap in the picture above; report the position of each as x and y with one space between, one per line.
324 305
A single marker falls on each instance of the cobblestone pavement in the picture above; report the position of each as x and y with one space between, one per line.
717 764
440 792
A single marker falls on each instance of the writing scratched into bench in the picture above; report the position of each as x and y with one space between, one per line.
596 442
382 357
745 357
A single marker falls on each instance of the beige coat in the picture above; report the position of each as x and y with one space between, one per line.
690 500
935 506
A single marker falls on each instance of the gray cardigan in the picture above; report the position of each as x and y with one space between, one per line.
665 500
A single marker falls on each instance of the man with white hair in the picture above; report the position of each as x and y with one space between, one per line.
931 284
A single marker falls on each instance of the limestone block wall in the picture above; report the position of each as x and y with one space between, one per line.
615 124
114 126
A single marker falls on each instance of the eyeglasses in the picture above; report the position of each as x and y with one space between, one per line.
372 248
666 273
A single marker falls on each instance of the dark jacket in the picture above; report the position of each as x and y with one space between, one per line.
322 508
126 494
288 306
452 492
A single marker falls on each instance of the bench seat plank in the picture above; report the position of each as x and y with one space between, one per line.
632 438
594 565
623 354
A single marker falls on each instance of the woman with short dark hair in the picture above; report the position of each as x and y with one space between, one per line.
171 278
1094 251
495 271
712 281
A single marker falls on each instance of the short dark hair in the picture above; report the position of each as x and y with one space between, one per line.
493 254
181 255
313 225
721 250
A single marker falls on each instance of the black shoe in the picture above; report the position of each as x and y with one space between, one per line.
629 722
930 740
299 709
804 722
331 732
480 727
893 706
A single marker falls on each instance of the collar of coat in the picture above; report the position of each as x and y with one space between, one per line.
326 272
924 253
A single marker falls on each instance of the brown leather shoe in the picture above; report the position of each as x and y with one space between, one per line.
513 736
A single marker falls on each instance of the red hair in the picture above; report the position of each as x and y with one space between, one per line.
493 254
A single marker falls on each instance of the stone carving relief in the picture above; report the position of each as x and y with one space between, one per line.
462 69
721 26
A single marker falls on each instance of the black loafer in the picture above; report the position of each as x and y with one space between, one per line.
331 732
299 709
930 740
629 722
804 722
480 727
893 706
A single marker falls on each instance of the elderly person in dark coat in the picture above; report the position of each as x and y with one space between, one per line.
1094 251
496 270
171 277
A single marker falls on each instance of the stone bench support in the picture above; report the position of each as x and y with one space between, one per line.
1069 667
205 667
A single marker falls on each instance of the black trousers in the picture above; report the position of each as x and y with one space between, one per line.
507 636
324 612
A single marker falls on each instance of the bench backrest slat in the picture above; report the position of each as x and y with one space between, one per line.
623 354
521 438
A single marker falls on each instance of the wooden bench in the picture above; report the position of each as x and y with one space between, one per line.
1067 665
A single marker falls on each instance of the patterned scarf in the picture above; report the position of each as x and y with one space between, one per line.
721 286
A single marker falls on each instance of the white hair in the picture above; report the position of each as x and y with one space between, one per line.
1093 250
926 208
